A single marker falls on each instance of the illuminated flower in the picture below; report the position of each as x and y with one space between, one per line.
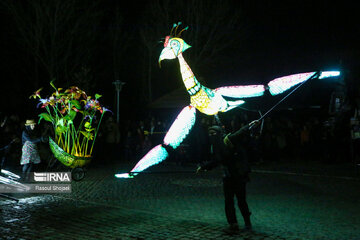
75 109
57 93
52 101
75 92
93 104
63 111
88 117
89 104
36 94
42 101
107 110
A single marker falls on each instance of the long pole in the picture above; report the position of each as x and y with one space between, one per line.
118 86
164 172
117 107
272 108
8 197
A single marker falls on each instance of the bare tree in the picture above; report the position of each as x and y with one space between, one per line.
119 41
153 25
59 34
212 25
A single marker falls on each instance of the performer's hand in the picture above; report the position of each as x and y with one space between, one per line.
199 169
253 124
44 139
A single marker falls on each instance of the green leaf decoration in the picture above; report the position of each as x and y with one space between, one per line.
60 122
89 129
52 84
76 104
97 96
61 129
88 135
87 125
70 116
46 117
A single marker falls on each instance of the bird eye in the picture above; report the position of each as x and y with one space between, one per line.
173 44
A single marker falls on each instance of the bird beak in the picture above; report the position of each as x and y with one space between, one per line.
166 53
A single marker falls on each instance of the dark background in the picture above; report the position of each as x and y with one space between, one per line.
267 40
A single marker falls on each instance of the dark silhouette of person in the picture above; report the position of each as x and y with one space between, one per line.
227 150
30 154
7 139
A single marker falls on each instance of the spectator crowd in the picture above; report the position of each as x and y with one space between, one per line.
285 135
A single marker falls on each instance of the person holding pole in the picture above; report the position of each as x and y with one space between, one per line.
226 151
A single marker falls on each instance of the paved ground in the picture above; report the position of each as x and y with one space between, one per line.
288 201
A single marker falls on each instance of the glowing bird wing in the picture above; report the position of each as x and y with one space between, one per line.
245 91
280 85
176 134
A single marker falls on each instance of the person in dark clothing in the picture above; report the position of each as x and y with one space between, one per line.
30 154
7 139
226 150
5 150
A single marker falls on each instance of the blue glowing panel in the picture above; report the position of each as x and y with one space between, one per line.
327 74
155 156
282 84
14 184
123 175
10 174
241 91
181 127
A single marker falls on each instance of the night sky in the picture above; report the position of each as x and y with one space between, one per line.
280 39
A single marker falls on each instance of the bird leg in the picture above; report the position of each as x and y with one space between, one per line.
174 137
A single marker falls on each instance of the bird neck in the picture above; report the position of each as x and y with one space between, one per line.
191 83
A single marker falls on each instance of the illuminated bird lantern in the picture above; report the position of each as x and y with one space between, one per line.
206 100
73 116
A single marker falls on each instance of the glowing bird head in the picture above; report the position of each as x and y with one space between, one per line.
173 44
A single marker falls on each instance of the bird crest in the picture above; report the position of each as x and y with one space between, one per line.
174 33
